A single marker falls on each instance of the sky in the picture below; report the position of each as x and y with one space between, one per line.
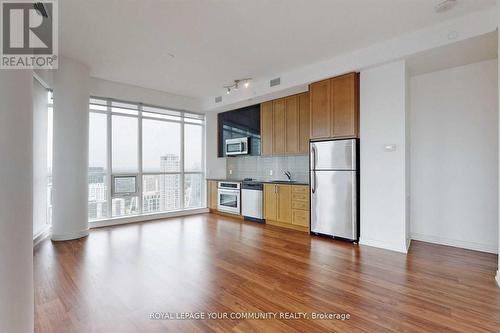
159 138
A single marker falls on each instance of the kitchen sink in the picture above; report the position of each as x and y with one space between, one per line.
283 181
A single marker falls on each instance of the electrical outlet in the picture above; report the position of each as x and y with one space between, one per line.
270 172
230 171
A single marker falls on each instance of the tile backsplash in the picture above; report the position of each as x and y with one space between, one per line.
268 168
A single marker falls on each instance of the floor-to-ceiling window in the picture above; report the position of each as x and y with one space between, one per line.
143 159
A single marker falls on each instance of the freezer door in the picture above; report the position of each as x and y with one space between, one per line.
333 155
333 203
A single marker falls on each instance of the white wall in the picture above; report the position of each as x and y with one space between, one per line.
40 168
383 174
454 135
16 201
215 166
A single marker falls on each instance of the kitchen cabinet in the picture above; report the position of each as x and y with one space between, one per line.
266 128
285 126
279 126
277 203
287 206
284 203
212 194
345 106
300 206
292 125
334 105
270 202
303 123
321 104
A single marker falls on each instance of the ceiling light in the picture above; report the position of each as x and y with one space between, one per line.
236 85
445 5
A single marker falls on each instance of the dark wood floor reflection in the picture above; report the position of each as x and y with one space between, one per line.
112 280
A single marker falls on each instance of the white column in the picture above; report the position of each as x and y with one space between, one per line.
384 154
70 152
16 201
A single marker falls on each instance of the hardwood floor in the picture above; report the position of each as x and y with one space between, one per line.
115 278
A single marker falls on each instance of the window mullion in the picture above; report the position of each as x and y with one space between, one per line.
182 163
109 165
140 158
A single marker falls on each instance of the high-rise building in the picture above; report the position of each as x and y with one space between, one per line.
170 184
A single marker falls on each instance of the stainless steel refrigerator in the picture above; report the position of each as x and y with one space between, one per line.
334 188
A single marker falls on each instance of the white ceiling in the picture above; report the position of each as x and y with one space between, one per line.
194 47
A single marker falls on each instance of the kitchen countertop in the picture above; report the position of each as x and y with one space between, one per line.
260 181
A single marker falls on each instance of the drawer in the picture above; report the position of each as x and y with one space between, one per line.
300 189
300 197
300 217
300 205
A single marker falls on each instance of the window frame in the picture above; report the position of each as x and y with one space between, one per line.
182 115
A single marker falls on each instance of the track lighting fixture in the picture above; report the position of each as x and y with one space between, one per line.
236 85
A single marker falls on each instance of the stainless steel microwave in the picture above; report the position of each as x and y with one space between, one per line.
237 146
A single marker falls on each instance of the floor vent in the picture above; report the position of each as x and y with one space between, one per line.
218 99
275 82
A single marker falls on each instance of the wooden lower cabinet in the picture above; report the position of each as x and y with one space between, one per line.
270 202
212 194
287 206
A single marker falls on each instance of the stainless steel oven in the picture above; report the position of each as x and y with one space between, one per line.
237 146
228 197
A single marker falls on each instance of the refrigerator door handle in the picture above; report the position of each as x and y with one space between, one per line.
354 207
313 156
313 188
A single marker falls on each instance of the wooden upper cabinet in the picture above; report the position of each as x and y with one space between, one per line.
279 126
292 125
335 107
266 128
320 112
345 106
270 202
284 203
303 100
284 125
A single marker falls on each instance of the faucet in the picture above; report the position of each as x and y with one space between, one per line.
288 174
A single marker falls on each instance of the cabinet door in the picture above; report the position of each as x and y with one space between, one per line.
279 126
212 194
266 128
320 112
345 106
303 123
285 203
292 125
270 202
300 218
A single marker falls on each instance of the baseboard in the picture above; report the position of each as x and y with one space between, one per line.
498 278
70 236
455 243
402 248
143 218
41 235
408 243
